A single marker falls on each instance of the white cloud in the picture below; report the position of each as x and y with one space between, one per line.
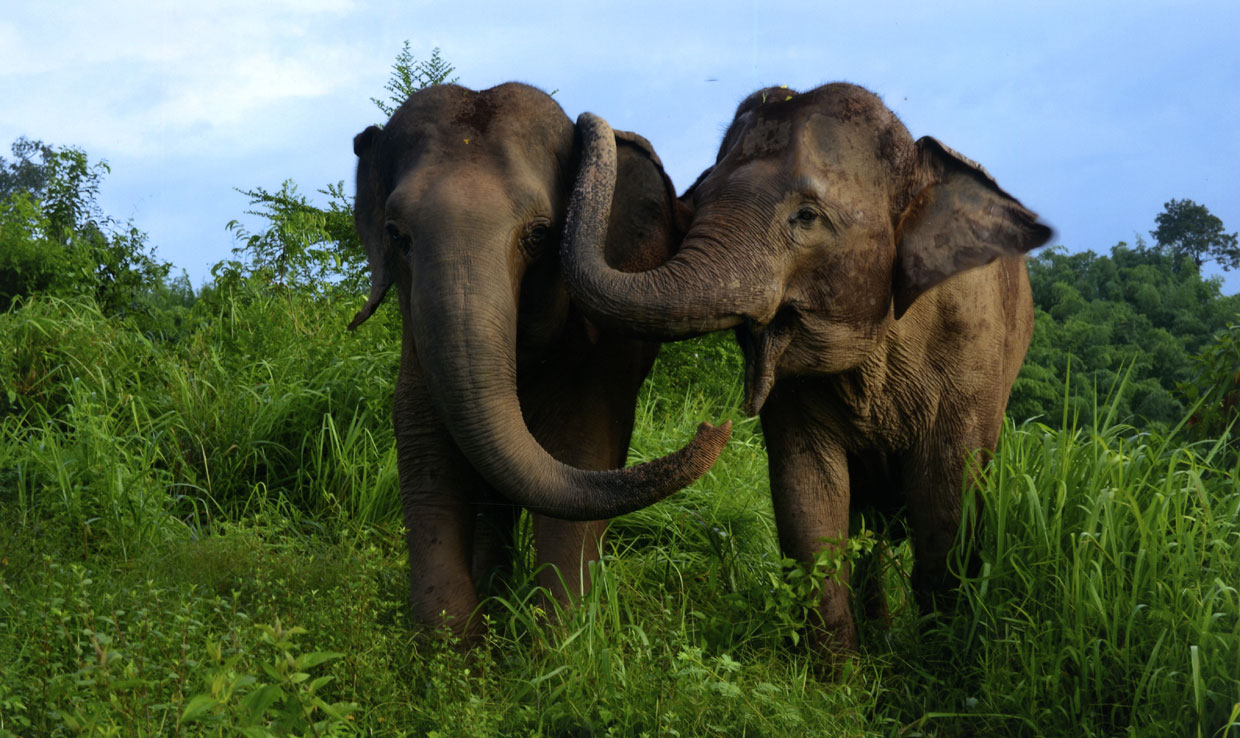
113 76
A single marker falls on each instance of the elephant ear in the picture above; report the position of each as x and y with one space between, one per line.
647 222
368 219
960 220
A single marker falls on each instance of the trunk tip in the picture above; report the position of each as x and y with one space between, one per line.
708 444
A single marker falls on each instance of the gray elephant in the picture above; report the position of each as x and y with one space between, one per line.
507 396
877 287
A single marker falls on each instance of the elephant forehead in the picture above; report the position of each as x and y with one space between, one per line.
766 137
427 199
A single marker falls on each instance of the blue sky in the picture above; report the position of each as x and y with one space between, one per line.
1092 113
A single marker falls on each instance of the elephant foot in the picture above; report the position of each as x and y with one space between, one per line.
833 651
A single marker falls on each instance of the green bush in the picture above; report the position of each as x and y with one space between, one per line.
1138 313
1214 388
54 239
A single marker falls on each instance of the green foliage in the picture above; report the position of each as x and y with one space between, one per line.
709 366
166 499
290 703
24 173
127 436
302 246
55 239
792 601
1188 230
1214 388
1104 606
1106 603
30 261
410 75
1100 318
114 651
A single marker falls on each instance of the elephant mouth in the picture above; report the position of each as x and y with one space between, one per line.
763 346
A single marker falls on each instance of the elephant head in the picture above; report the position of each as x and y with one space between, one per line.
820 225
460 201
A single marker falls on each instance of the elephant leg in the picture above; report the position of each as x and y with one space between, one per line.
439 533
874 495
569 546
494 524
436 485
934 509
867 582
810 495
580 408
588 442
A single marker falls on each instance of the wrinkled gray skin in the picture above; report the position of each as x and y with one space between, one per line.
877 286
507 396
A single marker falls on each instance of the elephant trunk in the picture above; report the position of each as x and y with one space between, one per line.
689 294
464 305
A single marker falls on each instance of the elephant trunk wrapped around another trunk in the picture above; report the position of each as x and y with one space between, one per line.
685 296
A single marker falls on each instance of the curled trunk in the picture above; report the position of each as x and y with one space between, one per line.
689 294
466 339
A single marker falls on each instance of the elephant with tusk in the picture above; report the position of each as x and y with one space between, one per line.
507 394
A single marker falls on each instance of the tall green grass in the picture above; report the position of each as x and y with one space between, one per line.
203 537
125 435
1107 600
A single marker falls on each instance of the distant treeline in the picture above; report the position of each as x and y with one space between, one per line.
1136 323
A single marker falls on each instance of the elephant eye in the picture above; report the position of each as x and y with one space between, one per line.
805 216
538 233
394 235
536 236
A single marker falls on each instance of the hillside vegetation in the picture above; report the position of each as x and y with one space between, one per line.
202 532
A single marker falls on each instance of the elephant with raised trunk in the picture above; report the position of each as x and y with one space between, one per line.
507 396
877 287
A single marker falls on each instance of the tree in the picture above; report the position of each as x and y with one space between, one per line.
1214 390
1188 229
55 238
302 245
307 246
409 76
1099 318
24 173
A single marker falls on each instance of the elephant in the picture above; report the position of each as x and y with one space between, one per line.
878 290
507 396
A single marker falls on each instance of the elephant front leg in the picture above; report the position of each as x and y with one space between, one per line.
494 525
568 547
810 495
565 548
439 534
436 485
580 407
935 509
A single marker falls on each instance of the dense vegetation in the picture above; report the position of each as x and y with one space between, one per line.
202 534
1140 313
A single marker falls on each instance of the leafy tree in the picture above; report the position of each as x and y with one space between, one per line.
303 245
1099 319
409 76
24 173
306 246
1215 385
57 239
1186 229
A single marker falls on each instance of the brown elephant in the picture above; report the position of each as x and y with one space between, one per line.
878 289
507 396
